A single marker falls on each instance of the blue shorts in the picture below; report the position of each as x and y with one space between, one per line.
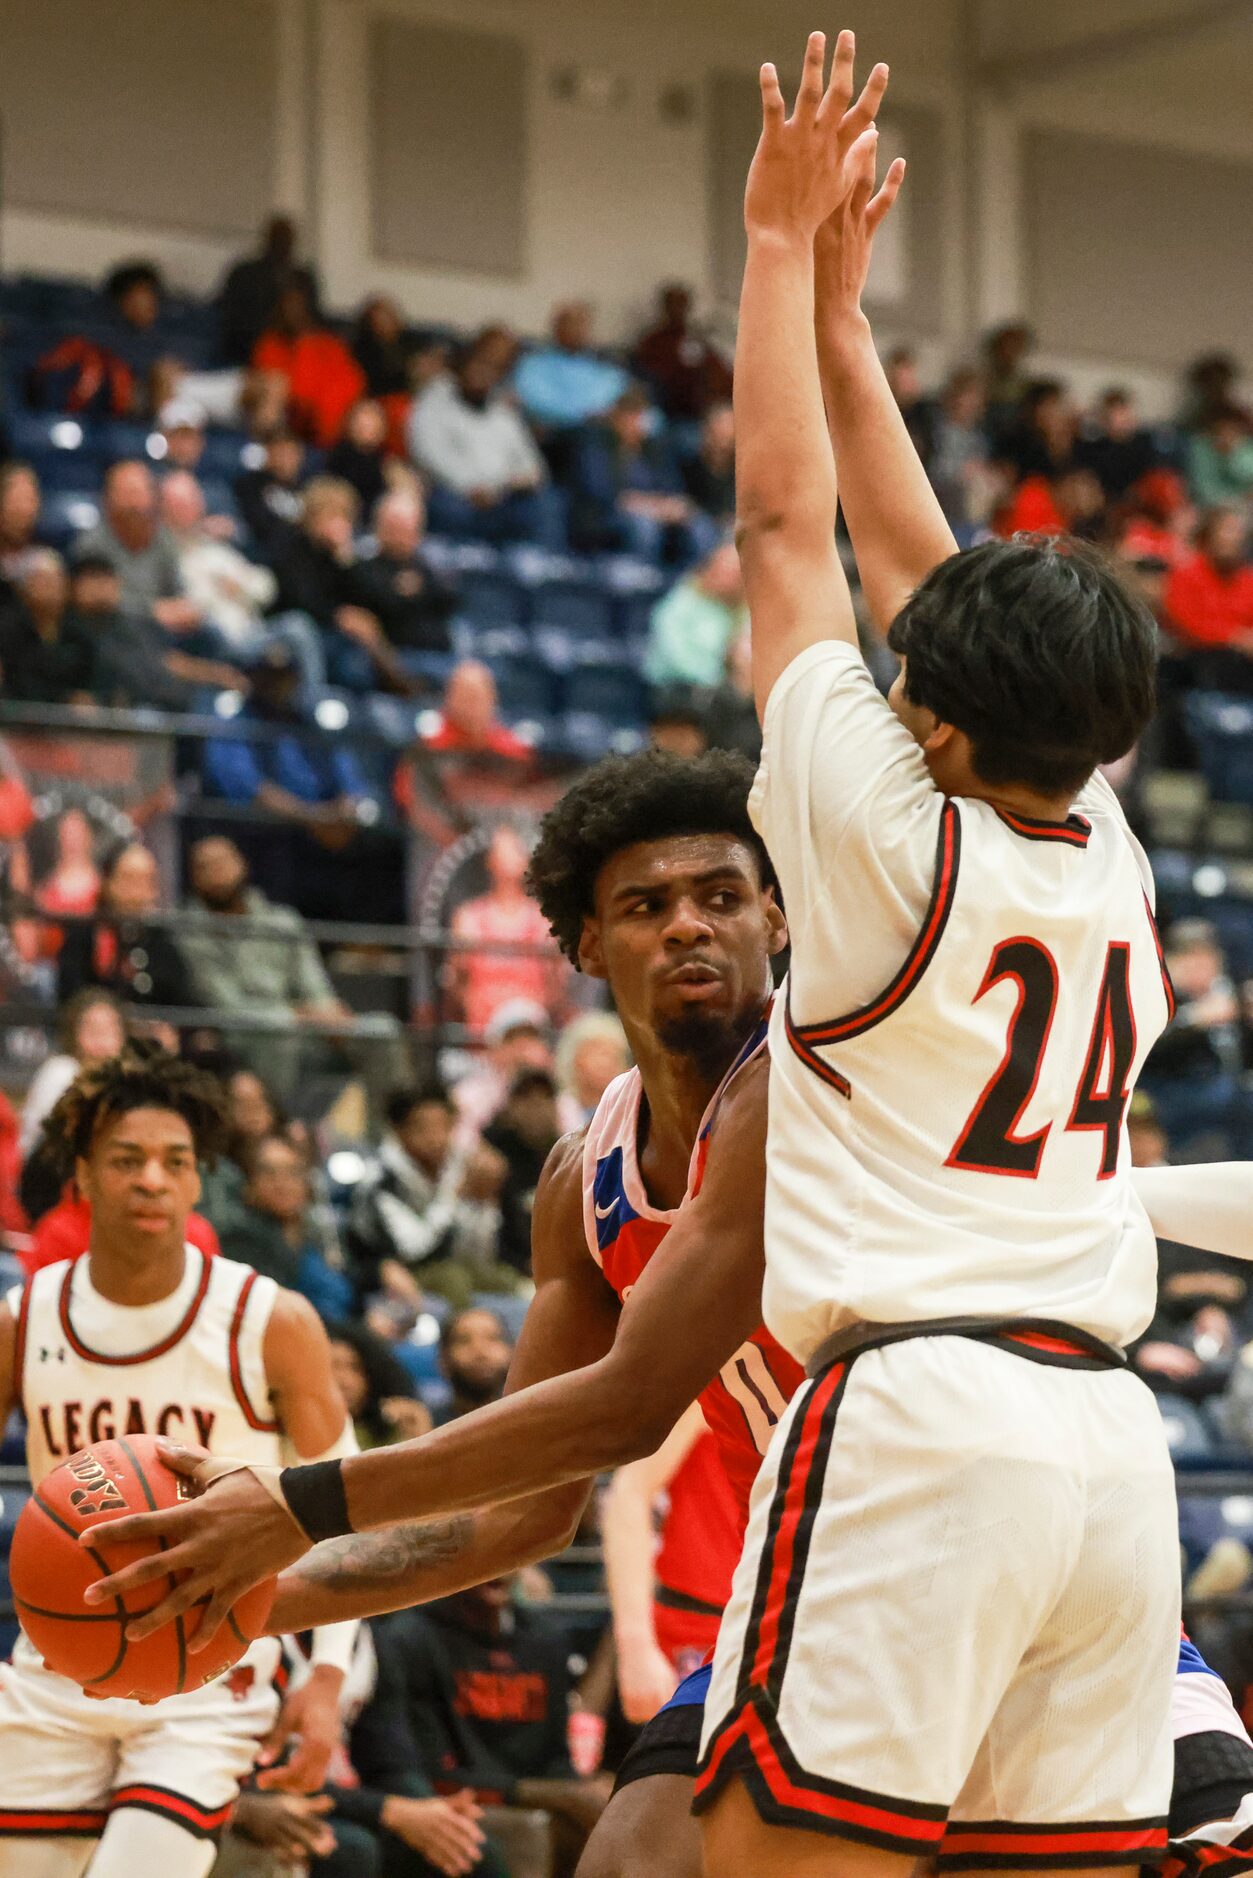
693 1689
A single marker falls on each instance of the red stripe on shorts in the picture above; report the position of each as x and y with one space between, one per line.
201 1819
795 1495
74 1823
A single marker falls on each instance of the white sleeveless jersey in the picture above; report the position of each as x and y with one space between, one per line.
190 1366
947 1141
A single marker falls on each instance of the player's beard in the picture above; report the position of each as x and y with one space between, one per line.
710 1040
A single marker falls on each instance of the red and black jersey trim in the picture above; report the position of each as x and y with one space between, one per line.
203 1822
1199 1858
805 1038
154 1350
750 1744
1073 832
975 1844
19 1346
51 1822
249 1413
1167 986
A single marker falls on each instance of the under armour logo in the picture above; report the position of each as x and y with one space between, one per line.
46 1354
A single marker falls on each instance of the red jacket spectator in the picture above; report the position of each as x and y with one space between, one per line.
1031 510
12 1215
65 1232
323 379
1209 598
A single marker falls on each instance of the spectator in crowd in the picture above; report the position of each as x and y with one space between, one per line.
1042 442
322 379
1116 447
959 450
411 602
626 491
567 383
695 624
90 1030
269 498
222 584
489 479
1004 353
1210 385
381 348
130 536
267 1226
290 1832
20 504
1209 602
482 978
314 565
47 654
273 974
299 773
677 724
359 457
523 1134
686 373
731 721
591 1051
1161 522
1220 458
255 1115
375 1387
1070 503
424 1216
476 1695
709 476
181 422
1194 1070
903 375
134 293
120 949
135 665
468 722
516 1038
73 886
249 295
474 1354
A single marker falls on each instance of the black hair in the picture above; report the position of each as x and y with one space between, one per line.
402 1102
385 1375
448 1329
625 799
531 1078
142 1077
133 274
1035 649
91 563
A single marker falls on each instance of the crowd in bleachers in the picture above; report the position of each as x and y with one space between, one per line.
388 582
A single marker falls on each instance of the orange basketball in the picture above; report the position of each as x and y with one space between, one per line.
49 1571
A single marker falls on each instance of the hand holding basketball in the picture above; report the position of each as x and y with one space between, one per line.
51 1567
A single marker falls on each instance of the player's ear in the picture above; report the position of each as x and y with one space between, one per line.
591 951
776 925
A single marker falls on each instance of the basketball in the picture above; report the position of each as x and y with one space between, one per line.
50 1571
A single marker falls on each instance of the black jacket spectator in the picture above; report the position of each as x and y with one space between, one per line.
358 455
250 291
381 349
268 499
411 602
47 653
523 1133
118 949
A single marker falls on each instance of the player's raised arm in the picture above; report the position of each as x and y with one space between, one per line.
897 527
560 1431
785 475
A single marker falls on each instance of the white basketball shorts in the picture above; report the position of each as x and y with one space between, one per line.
954 1627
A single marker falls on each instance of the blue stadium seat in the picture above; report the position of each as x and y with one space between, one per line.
492 599
223 453
586 736
67 514
118 437
525 688
615 692
1221 728
48 440
577 605
491 642
633 615
1186 1434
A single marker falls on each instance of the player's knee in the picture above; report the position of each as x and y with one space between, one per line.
646 1831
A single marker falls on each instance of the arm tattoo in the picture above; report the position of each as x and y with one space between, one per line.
379 1558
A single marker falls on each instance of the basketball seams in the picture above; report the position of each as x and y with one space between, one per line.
180 1629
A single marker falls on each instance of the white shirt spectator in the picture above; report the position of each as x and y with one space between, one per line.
468 447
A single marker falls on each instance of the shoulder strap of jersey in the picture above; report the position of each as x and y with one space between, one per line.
249 1327
618 1107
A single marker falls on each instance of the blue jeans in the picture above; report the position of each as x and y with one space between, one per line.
536 515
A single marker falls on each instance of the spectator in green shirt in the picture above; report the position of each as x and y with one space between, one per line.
694 624
1220 459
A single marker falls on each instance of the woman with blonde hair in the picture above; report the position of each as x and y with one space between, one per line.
591 1051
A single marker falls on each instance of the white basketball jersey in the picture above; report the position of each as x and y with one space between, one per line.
190 1366
952 1145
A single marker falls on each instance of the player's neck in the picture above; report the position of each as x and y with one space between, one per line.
677 1091
133 1275
1013 799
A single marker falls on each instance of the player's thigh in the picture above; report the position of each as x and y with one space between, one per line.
58 1751
646 1831
135 1841
918 1533
189 1758
738 1844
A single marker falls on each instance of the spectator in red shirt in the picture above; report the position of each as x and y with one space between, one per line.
685 371
65 1232
1209 602
1069 504
1162 520
323 379
468 721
